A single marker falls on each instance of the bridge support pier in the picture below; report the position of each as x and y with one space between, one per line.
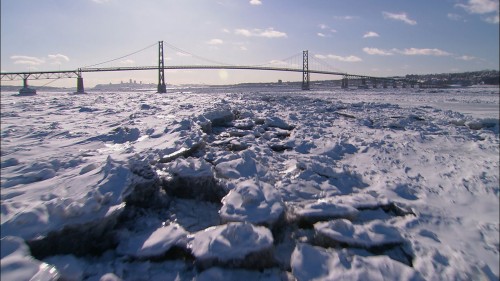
79 85
26 91
345 83
305 70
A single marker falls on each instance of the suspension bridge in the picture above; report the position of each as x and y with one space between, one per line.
305 70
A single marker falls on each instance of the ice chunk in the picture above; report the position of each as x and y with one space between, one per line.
239 244
322 210
278 123
258 203
153 244
17 263
143 185
194 179
314 263
373 234
243 167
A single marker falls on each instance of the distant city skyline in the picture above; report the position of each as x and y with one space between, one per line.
378 38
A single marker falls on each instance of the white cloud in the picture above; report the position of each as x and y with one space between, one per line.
27 60
370 34
489 8
376 51
345 17
225 30
180 54
59 57
268 33
400 17
339 58
422 52
100 1
466 58
326 28
493 19
480 6
255 2
215 41
127 62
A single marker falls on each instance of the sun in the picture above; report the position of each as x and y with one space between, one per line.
223 74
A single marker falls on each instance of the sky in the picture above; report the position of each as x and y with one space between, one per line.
366 37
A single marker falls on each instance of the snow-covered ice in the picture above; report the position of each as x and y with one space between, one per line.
262 183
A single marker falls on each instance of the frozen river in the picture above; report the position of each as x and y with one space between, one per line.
251 183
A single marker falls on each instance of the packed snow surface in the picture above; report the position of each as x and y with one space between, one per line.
263 183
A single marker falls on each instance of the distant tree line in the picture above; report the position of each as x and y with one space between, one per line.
484 77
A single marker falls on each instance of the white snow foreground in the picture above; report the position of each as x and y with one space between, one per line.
267 185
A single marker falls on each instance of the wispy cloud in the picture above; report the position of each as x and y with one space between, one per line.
215 41
339 58
127 62
181 54
27 60
466 58
399 17
407 52
58 57
255 2
325 30
376 51
422 52
488 8
345 17
370 34
267 33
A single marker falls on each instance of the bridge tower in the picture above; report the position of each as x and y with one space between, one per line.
305 70
162 88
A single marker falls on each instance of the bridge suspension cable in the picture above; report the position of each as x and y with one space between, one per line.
193 55
318 63
127 55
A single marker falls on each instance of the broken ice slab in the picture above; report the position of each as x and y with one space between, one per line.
375 234
320 210
251 201
236 244
182 152
193 178
153 244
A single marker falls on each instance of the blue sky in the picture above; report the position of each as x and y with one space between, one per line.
379 38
